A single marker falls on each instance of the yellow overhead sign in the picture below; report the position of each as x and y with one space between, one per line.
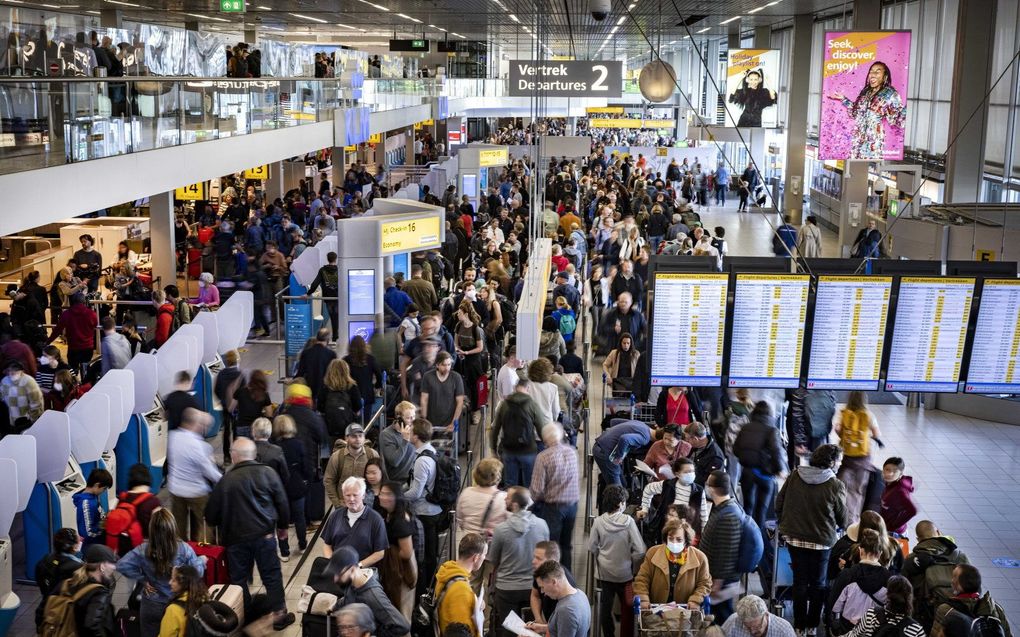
626 122
258 172
351 149
375 138
615 110
194 192
417 126
661 152
409 236
429 122
495 157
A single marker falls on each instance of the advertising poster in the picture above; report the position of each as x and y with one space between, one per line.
752 79
864 95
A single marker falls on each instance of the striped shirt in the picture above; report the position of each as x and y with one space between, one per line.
555 477
871 624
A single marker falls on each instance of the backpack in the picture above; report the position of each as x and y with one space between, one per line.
338 412
937 587
518 427
886 629
225 617
854 433
447 485
752 546
123 530
778 246
567 324
58 617
509 311
426 615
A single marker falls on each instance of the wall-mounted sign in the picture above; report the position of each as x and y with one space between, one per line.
351 149
409 45
258 172
752 79
494 157
409 236
612 110
194 192
375 138
588 78
628 122
232 6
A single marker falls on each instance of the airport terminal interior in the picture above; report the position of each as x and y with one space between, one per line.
409 318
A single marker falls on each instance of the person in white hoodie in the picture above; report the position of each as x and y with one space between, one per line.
617 545
513 543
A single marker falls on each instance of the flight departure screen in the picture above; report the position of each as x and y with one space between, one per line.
995 355
688 329
767 343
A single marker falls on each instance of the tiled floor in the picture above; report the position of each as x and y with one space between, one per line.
966 471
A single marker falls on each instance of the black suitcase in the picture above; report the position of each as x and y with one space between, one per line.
129 623
317 626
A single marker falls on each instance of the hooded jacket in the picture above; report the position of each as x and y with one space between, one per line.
982 606
898 506
517 406
513 543
459 600
811 506
858 589
617 546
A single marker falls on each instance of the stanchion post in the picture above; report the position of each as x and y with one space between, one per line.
452 539
588 517
469 466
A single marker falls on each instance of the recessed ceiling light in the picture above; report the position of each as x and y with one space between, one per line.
206 17
122 3
460 36
514 18
757 9
263 8
620 21
308 17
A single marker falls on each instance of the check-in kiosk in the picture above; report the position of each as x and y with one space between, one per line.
144 440
476 163
90 433
205 377
9 601
14 497
119 386
302 318
50 506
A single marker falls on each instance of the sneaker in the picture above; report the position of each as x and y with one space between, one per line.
285 557
302 546
283 620
811 632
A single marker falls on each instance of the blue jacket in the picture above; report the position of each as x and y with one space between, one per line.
621 439
397 299
89 516
136 566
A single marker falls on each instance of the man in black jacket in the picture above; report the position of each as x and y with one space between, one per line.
657 227
705 453
761 460
329 278
720 542
626 281
249 505
312 362
227 382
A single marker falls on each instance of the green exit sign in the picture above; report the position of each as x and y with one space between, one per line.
418 44
232 6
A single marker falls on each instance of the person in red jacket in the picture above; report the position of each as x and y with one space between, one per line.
898 506
164 317
77 325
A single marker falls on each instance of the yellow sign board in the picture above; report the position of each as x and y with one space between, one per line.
984 255
626 122
258 172
495 157
661 152
429 122
375 138
351 149
417 126
614 110
409 236
194 192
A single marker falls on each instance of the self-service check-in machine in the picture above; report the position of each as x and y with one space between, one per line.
119 386
90 433
205 377
50 506
19 451
144 439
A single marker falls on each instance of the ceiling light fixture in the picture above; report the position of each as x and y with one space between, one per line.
122 3
705 30
459 36
308 17
514 18
773 3
631 5
206 17
620 21
407 17
736 17
263 8
673 42
757 9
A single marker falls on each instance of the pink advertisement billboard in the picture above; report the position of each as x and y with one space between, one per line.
864 95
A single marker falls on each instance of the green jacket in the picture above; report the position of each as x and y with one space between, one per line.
811 506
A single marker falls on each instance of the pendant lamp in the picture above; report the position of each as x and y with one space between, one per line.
657 81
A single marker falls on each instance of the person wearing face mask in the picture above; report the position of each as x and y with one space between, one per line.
50 364
667 450
618 546
21 393
91 590
659 496
674 571
64 391
208 293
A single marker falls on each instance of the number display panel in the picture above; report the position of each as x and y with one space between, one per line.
766 346
688 329
995 354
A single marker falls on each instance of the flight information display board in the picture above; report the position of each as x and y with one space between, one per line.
929 334
766 347
995 355
848 333
688 329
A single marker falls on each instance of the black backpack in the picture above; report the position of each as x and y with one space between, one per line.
447 485
338 412
509 311
518 427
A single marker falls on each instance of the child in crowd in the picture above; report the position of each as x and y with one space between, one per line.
90 512
898 506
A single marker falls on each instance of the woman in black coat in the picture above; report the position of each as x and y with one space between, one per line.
285 436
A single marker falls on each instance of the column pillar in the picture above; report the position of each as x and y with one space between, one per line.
110 19
797 111
733 35
192 25
161 231
251 35
763 37
339 168
972 73
274 185
711 95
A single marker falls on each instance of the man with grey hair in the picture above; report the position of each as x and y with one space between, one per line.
249 505
753 619
556 488
267 453
356 526
355 619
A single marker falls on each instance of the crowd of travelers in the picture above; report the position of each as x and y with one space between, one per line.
730 477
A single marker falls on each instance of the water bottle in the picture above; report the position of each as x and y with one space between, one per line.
637 606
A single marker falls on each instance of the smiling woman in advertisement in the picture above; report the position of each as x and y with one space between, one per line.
753 97
877 101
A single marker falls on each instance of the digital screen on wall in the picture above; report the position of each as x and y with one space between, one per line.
360 292
688 329
995 355
929 334
752 82
401 263
767 344
864 95
364 329
848 332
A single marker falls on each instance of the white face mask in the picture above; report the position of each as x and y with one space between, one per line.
57 387
201 284
686 479
675 547
44 360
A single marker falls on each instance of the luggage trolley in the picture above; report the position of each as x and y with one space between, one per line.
678 622
616 404
776 572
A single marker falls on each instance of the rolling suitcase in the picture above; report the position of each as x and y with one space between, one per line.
315 501
215 562
233 596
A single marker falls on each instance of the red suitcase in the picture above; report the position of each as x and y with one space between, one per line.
215 562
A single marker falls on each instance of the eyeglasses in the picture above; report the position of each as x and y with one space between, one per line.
348 628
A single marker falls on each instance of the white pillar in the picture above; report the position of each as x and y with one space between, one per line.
161 231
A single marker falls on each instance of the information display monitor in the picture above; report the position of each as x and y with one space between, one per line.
848 333
766 347
360 292
688 329
995 355
929 334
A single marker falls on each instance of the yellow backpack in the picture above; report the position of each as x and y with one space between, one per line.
854 433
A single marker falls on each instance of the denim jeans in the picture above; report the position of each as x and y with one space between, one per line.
242 557
720 195
517 469
654 241
758 492
809 590
560 519
150 614
612 473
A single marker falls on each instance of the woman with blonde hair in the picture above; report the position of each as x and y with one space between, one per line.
286 438
480 508
543 390
152 562
674 571
856 427
340 402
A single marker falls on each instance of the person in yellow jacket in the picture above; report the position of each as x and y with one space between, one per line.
456 602
189 592
856 429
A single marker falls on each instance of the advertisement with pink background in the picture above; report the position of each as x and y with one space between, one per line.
864 95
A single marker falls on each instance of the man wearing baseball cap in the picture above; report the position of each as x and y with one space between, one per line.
348 461
362 586
91 590
52 570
